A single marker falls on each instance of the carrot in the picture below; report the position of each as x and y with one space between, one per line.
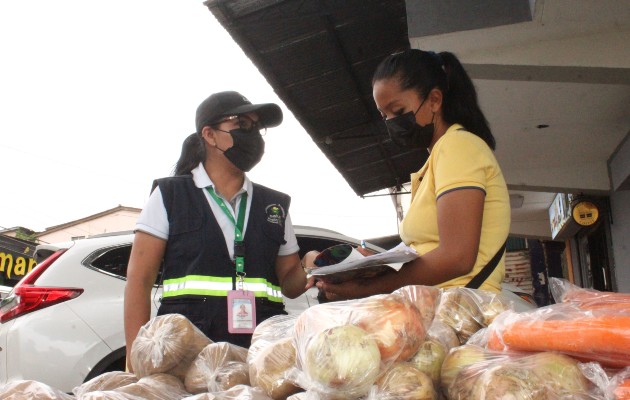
604 338
605 306
581 294
590 299
622 391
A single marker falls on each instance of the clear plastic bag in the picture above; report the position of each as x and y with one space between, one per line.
589 335
106 381
403 381
241 392
440 331
201 396
271 330
619 386
229 375
157 387
343 346
108 395
166 344
272 355
473 373
270 366
468 310
202 374
429 358
33 390
564 291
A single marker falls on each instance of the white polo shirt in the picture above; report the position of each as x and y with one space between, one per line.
154 220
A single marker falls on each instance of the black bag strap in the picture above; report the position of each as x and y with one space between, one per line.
480 278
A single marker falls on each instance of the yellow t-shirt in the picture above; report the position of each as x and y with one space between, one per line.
460 160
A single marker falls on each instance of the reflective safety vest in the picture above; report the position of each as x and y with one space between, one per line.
196 260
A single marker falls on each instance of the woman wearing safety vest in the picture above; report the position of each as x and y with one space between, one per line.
227 245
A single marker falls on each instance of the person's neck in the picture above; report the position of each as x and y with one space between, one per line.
440 129
226 181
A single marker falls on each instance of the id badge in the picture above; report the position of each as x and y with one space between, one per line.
241 311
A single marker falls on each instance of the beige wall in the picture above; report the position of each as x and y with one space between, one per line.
123 220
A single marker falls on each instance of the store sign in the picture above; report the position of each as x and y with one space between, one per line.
585 213
560 213
15 265
17 258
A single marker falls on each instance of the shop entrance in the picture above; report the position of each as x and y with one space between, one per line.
593 247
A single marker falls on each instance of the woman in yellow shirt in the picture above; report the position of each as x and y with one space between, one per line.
459 217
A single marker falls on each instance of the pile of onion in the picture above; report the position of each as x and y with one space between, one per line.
396 324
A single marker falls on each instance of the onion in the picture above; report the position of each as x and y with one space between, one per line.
342 362
560 373
459 310
458 359
405 382
504 381
491 308
395 324
269 367
440 331
429 359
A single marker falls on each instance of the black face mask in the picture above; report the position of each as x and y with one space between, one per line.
247 150
406 132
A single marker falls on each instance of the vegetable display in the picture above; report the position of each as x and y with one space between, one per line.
418 343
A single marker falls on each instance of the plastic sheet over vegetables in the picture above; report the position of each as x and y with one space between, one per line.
343 347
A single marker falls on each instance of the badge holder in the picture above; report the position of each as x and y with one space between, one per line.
241 303
241 309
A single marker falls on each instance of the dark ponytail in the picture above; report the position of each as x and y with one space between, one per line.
460 102
193 152
425 70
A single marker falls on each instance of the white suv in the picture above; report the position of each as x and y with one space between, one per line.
63 323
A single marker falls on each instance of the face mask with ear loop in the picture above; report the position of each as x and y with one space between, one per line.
247 150
407 133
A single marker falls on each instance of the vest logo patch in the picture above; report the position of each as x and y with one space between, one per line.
275 214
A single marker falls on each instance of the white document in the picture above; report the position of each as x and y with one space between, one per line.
356 265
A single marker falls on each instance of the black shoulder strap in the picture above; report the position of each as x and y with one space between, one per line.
480 278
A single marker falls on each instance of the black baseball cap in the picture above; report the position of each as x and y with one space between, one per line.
224 104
